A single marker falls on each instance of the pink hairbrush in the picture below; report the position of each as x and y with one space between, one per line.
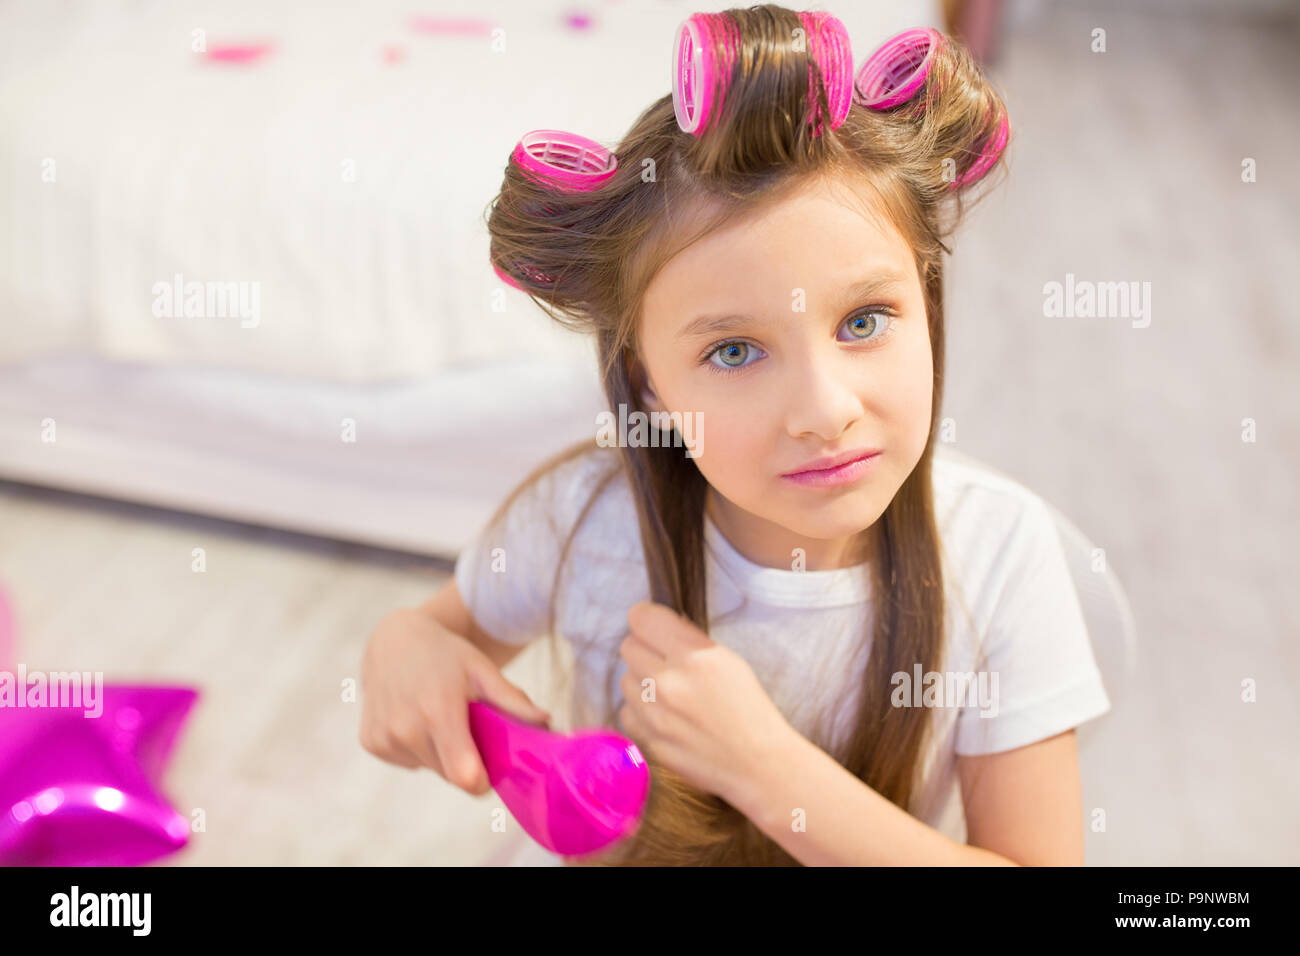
575 794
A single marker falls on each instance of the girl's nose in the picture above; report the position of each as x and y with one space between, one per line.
821 397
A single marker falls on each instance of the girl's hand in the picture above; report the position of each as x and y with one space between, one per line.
709 719
418 678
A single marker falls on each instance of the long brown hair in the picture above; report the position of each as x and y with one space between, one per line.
587 258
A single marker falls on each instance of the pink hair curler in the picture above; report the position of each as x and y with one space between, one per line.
705 51
561 161
898 69
564 161
992 150
537 275
830 48
574 794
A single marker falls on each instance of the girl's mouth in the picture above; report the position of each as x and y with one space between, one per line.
843 474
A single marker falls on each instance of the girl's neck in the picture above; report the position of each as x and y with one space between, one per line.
770 545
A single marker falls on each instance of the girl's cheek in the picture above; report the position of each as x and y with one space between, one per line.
915 381
731 443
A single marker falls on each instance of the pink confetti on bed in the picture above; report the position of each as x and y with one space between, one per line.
239 53
452 25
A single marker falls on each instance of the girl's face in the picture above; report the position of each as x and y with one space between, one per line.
796 335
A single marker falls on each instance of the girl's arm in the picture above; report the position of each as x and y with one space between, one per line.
448 609
1023 807
1027 803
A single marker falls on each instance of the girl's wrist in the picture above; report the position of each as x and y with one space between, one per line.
772 759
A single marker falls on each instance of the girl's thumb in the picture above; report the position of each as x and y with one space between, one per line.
495 689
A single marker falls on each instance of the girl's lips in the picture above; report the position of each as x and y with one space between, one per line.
840 475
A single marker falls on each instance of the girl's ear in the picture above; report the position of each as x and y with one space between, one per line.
641 385
650 399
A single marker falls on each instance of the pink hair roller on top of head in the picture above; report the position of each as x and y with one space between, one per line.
897 71
705 51
565 162
575 794
828 42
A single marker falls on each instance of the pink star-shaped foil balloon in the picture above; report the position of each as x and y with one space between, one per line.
78 790
83 791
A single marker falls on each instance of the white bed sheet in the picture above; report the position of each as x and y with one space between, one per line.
430 462
167 165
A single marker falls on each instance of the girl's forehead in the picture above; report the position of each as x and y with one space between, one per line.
800 240
820 230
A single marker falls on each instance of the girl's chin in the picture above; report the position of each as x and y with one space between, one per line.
824 527
839 519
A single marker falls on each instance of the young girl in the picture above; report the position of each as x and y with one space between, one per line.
779 598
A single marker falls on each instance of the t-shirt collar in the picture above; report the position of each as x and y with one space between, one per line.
739 578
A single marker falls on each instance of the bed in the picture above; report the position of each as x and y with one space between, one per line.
338 159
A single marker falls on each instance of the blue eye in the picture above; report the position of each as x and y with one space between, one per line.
865 324
733 356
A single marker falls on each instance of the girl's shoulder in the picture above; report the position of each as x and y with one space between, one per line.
978 505
585 496
602 569
991 527
1021 617
1004 555
555 546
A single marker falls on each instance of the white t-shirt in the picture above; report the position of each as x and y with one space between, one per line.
806 634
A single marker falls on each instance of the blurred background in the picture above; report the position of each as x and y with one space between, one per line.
336 434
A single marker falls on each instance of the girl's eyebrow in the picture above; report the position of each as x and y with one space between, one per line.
703 325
